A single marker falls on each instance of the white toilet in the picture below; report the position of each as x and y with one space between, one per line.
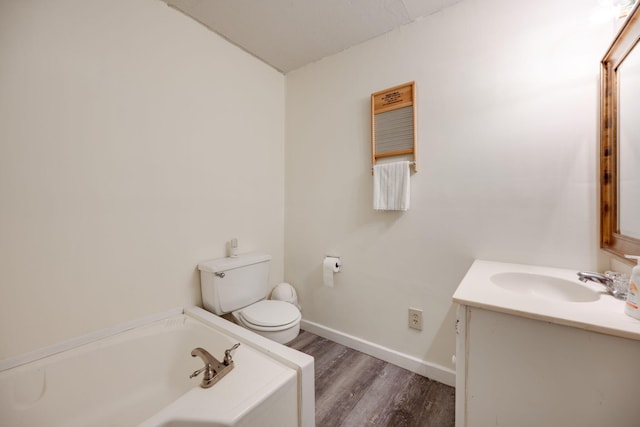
240 286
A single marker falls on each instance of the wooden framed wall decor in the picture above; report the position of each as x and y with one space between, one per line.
393 123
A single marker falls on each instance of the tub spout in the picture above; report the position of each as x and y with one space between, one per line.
213 369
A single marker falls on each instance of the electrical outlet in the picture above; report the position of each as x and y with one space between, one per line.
415 318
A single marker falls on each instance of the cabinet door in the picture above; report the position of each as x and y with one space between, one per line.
522 372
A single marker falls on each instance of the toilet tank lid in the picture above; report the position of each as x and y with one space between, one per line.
229 263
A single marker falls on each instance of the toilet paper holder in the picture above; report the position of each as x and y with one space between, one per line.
338 260
330 266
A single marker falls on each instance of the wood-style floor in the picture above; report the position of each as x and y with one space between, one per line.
356 390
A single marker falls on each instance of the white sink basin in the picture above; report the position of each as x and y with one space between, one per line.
542 286
544 293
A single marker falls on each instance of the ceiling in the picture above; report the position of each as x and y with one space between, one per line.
288 34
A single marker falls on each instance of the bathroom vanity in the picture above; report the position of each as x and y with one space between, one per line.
536 347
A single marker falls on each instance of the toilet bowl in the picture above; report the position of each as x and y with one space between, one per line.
276 320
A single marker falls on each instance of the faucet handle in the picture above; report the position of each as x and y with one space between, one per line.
227 354
206 368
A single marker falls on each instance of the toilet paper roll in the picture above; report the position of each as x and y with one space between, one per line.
330 266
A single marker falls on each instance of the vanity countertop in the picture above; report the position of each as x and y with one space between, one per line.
605 314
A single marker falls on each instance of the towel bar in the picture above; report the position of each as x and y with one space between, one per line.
411 163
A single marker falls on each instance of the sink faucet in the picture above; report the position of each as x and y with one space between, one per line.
213 369
607 282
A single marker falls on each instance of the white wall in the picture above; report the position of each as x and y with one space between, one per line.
507 113
134 143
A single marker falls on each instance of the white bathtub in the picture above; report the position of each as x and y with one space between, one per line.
138 375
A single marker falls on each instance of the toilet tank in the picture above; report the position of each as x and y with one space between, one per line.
229 284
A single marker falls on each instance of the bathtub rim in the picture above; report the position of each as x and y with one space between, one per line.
88 338
302 363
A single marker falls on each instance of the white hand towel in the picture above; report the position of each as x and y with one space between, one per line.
391 190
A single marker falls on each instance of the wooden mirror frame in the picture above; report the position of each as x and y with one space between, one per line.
625 41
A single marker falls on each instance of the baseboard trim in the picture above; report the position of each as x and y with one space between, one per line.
430 370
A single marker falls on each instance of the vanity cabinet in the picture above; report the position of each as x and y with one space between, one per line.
518 367
513 371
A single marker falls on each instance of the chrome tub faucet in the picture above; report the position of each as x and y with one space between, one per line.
213 369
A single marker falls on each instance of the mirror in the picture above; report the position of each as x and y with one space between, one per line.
620 141
629 145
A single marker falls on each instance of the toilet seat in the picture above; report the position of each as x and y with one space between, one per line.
269 315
